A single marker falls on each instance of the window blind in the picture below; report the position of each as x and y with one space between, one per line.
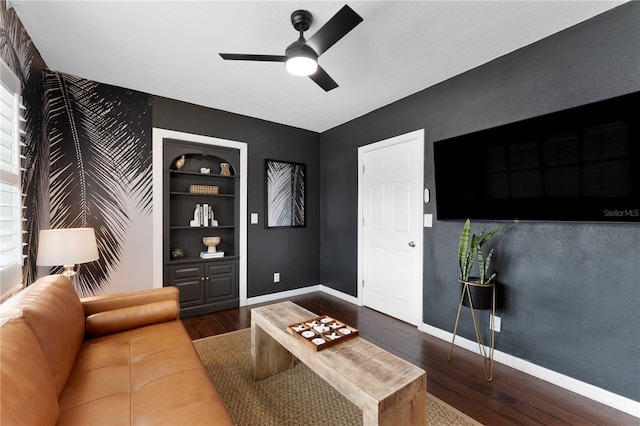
11 197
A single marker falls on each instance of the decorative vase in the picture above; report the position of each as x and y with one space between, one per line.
211 242
224 169
481 294
180 162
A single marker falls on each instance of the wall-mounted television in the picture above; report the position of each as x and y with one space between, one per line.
580 164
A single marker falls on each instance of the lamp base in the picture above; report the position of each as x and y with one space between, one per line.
68 271
73 277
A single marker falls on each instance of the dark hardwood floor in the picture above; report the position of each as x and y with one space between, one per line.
511 398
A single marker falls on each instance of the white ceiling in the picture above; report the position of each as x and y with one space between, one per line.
170 48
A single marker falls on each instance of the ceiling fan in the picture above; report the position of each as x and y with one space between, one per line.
301 57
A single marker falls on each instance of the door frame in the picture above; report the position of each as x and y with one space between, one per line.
157 151
417 134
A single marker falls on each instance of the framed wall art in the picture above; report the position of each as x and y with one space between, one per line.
285 194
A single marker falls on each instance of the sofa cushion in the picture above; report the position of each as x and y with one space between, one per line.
128 299
149 375
52 309
116 320
26 383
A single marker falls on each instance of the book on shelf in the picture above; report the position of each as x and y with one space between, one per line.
211 255
206 213
203 216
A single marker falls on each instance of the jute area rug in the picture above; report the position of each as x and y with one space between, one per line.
297 396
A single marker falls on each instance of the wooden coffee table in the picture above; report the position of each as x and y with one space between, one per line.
388 389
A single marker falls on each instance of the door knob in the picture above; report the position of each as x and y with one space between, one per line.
412 243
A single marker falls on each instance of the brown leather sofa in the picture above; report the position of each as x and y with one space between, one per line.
122 359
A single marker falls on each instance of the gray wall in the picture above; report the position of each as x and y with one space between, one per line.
570 296
294 252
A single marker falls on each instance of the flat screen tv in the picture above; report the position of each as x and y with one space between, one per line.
580 164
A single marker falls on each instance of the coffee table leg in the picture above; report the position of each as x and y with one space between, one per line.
406 407
267 355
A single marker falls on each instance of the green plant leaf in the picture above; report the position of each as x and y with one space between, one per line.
463 250
485 237
485 267
481 268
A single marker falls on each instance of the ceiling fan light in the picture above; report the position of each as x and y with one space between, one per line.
301 65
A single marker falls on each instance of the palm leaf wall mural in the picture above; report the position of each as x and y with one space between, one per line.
87 149
100 154
285 184
19 53
87 153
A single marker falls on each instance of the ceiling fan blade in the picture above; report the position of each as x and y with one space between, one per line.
336 28
323 79
242 57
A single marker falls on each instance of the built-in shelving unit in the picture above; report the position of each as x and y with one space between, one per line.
206 285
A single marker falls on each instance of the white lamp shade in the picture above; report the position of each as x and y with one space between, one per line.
301 65
69 246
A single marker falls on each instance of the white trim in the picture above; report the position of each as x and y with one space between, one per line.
9 78
157 147
587 390
339 294
417 134
10 293
300 291
11 172
283 294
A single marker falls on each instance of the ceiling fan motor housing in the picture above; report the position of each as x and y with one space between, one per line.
300 48
301 20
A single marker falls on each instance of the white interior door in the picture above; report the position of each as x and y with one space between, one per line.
390 242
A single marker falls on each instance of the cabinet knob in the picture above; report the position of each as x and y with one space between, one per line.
201 278
206 278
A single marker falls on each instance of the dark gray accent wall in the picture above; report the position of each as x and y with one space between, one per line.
294 252
569 292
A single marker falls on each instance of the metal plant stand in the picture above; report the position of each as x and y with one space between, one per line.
486 353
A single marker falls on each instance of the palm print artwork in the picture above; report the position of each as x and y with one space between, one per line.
285 194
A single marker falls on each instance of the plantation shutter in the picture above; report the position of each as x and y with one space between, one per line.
11 198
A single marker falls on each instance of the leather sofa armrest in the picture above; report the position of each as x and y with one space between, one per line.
114 313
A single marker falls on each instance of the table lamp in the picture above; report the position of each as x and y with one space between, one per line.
67 247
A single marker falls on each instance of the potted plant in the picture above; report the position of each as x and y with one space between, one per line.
470 250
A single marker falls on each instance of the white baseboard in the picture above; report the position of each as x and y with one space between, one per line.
299 291
339 294
283 294
587 390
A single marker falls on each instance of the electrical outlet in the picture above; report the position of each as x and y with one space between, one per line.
497 323
276 277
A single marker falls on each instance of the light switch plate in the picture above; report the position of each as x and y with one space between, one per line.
254 218
428 220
